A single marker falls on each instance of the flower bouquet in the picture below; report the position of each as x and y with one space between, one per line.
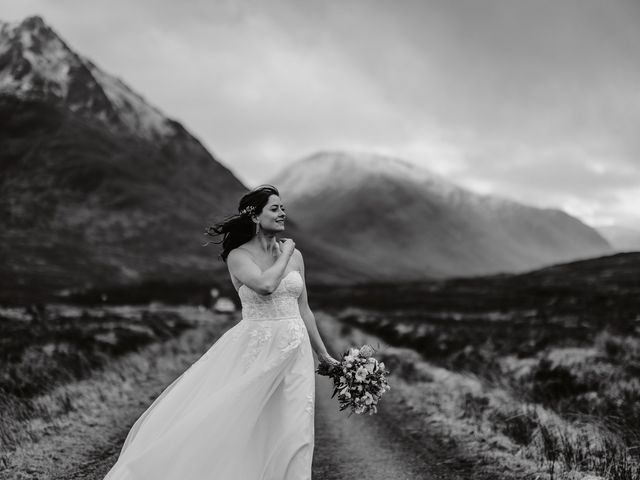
359 380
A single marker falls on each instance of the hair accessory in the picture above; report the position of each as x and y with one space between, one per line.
247 210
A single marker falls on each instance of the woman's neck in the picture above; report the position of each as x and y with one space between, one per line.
266 243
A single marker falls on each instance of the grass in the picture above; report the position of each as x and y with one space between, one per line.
570 407
45 349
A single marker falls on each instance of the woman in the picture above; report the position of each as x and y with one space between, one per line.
244 410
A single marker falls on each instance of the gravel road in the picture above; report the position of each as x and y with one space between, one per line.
390 445
375 447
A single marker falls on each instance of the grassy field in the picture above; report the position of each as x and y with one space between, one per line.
44 349
554 354
537 374
566 409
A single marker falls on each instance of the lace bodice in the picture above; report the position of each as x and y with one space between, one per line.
282 303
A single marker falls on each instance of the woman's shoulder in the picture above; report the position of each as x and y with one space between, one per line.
238 256
240 249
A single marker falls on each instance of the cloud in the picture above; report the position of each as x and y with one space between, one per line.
537 101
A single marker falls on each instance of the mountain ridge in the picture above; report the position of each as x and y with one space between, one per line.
371 205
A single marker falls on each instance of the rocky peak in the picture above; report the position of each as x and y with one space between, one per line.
36 63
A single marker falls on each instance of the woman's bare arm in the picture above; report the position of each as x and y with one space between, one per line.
242 266
307 315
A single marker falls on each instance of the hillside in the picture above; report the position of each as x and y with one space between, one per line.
407 223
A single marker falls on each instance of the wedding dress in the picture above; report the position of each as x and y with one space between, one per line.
242 411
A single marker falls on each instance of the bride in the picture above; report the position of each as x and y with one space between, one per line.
245 409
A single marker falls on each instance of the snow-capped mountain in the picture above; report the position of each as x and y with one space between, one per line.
405 222
311 175
100 190
35 63
98 187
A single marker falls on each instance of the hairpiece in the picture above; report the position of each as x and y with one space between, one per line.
247 210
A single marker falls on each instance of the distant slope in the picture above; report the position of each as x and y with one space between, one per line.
577 298
624 239
405 222
84 206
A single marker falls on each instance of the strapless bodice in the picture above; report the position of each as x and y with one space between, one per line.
279 305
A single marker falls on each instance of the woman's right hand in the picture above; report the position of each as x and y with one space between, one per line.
287 245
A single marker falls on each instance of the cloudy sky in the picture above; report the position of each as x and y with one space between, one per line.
535 100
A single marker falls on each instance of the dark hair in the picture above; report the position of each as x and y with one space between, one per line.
239 228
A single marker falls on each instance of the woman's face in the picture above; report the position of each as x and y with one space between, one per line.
272 215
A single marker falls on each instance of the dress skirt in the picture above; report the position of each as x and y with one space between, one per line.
242 411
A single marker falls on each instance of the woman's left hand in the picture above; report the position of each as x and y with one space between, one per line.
326 358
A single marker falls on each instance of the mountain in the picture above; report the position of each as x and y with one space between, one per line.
100 188
623 239
102 191
35 63
405 223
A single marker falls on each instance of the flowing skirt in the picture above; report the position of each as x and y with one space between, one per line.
243 411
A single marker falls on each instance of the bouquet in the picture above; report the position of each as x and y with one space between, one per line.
359 380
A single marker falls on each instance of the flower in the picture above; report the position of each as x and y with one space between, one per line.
361 374
359 380
366 351
247 210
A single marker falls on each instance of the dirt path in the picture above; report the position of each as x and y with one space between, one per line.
393 444
373 447
376 447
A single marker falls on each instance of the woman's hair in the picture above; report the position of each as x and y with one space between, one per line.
239 228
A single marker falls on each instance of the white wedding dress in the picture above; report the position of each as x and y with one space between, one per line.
242 411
